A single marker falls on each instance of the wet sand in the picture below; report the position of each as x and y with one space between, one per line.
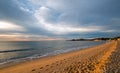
89 60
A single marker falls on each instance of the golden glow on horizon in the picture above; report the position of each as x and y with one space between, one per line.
24 37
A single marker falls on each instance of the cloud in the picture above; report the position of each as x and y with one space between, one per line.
7 26
12 11
44 16
80 16
38 2
25 9
62 18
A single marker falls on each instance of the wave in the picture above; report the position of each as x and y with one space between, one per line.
17 50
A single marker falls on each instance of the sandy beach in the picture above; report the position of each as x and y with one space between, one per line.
97 59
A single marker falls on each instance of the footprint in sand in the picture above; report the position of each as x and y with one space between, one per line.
33 70
41 67
47 65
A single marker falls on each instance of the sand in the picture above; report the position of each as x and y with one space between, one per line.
89 60
113 64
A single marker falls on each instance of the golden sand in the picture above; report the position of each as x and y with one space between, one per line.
89 60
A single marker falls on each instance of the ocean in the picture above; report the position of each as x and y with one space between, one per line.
19 51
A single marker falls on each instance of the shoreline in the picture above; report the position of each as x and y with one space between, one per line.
17 61
12 63
49 63
30 58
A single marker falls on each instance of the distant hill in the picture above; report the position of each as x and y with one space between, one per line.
96 39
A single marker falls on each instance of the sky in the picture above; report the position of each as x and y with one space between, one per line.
34 20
